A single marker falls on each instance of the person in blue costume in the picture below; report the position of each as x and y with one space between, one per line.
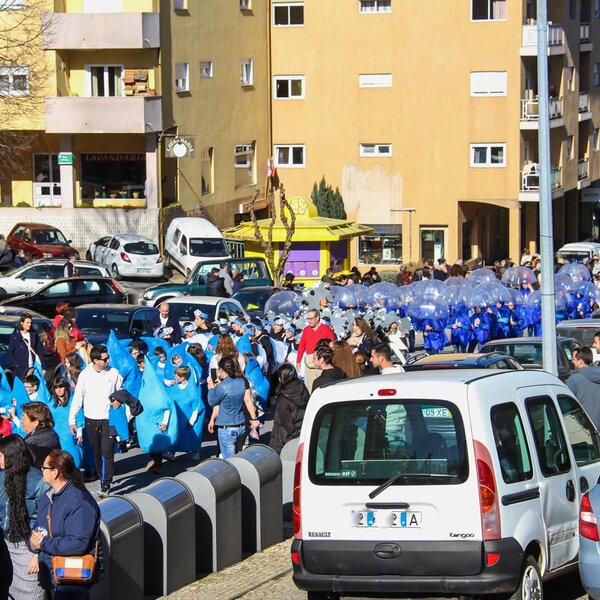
526 309
258 381
153 343
536 319
177 356
157 426
434 336
198 361
190 412
584 307
502 317
482 326
59 407
462 329
571 302
516 323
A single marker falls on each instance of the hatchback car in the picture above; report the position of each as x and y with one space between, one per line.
33 276
127 255
40 241
75 290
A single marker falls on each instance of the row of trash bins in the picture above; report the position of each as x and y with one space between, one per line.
162 537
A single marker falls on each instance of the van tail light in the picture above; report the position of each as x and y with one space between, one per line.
159 260
488 494
125 258
588 525
296 496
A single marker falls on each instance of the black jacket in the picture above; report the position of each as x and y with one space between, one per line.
171 322
289 413
215 286
18 351
329 376
124 397
40 443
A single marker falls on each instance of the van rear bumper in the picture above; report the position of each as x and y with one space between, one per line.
503 577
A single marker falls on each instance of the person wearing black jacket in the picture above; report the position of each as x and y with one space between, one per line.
262 337
215 285
292 398
323 359
38 424
165 319
25 346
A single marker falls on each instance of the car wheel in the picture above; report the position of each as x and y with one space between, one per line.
530 587
114 271
88 256
2 292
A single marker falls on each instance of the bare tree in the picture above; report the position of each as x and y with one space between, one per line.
25 71
286 215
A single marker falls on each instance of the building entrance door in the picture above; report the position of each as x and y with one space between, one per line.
46 180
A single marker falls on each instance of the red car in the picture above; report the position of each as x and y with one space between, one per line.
40 241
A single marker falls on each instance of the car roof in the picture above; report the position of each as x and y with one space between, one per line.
256 288
61 261
580 323
116 307
196 225
14 319
473 359
35 226
211 300
132 237
529 340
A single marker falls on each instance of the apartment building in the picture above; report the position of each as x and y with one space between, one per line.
425 116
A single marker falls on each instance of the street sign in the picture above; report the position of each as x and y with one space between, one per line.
65 158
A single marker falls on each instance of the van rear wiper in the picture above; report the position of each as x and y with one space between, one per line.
408 477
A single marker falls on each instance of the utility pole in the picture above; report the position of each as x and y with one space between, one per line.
549 355
410 212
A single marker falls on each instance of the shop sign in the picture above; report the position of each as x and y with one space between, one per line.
180 146
113 157
65 158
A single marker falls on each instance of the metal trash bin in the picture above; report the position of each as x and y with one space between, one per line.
169 514
288 466
262 516
122 536
217 490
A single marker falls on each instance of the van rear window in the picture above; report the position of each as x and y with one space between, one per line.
365 443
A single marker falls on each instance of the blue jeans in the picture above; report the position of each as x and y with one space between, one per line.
227 437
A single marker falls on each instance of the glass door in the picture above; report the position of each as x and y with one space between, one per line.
104 80
433 243
46 180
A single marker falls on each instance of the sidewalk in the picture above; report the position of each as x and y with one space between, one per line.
241 578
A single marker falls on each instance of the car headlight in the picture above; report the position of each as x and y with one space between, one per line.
147 295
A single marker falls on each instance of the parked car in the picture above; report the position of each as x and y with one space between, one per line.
528 351
589 542
34 275
75 290
490 360
127 255
127 321
254 269
582 330
454 483
215 308
40 241
253 299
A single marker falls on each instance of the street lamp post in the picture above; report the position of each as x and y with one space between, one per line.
410 212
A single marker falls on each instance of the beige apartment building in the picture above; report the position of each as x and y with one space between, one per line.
425 116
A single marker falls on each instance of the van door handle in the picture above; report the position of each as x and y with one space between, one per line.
570 491
584 486
387 551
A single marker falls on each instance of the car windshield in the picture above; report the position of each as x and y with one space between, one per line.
208 247
574 255
366 443
185 311
96 320
49 236
5 333
142 248
526 354
584 334
252 300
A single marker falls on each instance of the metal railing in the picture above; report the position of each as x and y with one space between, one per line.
556 35
530 180
583 169
529 109
584 33
584 101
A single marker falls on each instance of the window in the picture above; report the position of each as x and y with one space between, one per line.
206 69
550 443
179 4
596 139
104 174
511 443
289 156
245 4
63 288
182 81
104 80
288 14
570 78
488 83
488 10
13 5
596 76
243 163
375 150
375 6
569 147
87 288
183 245
380 248
488 155
288 87
247 73
582 435
206 171
380 80
14 81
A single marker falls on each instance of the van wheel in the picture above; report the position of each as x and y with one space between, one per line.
88 256
322 596
531 587
167 261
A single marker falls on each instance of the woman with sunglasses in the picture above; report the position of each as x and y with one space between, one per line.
60 406
64 341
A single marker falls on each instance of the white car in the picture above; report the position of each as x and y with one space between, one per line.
216 308
34 275
127 255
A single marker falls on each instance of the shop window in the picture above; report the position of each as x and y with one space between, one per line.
243 163
380 249
206 171
46 180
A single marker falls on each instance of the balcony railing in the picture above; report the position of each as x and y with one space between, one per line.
584 33
530 179
556 35
529 109
583 169
584 101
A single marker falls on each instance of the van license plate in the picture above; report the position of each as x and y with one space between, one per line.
384 518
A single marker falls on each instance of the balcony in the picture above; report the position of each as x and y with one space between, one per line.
529 113
100 31
583 173
585 39
530 183
139 114
556 40
585 114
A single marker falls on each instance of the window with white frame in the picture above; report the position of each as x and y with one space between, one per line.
104 80
488 83
245 4
288 86
206 171
375 6
247 72
206 69
289 156
488 10
596 76
488 155
570 78
182 77
375 80
569 147
14 81
13 4
179 4
243 163
288 14
375 150
596 139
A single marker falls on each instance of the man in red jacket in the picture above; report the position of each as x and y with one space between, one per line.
313 332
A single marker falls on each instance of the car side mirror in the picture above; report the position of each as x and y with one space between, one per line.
69 241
